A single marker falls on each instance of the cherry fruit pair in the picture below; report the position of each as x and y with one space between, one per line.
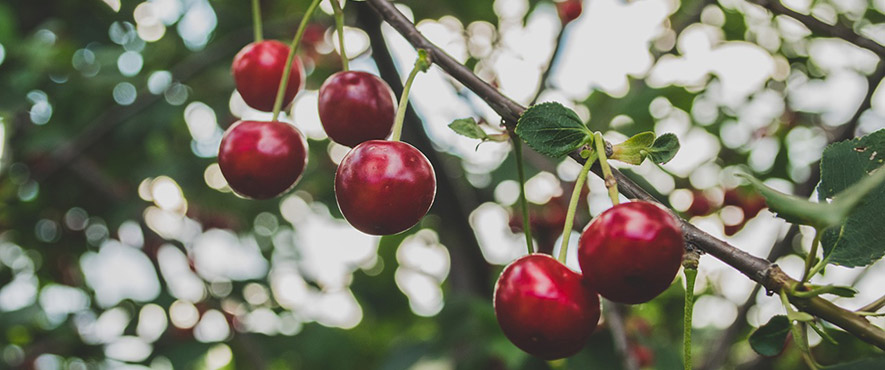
382 187
628 254
261 159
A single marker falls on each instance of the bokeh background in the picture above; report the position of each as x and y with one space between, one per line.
121 245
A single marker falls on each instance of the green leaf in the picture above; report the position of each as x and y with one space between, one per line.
769 339
860 240
794 209
822 332
664 148
552 129
635 149
468 127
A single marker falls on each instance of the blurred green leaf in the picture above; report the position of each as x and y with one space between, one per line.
769 339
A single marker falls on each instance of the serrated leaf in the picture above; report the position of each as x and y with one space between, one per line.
552 129
860 240
468 127
664 148
769 339
634 149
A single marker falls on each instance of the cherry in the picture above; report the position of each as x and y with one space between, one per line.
644 356
262 159
384 187
258 69
631 252
569 10
355 107
545 308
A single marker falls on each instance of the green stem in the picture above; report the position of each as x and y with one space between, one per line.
339 27
809 259
526 224
608 177
422 64
573 205
256 20
690 275
281 91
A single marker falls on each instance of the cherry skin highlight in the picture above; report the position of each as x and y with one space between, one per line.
545 308
631 252
261 160
384 187
355 107
258 69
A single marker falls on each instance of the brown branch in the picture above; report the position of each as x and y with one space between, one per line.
757 269
819 27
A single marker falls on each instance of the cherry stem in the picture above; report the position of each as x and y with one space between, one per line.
573 205
526 222
690 275
281 91
339 27
809 259
607 175
421 65
256 20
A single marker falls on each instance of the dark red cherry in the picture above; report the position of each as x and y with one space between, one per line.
355 107
569 10
631 252
545 308
384 187
262 159
258 69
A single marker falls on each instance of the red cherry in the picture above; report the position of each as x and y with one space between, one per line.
644 356
258 69
262 159
545 308
384 187
700 204
569 10
355 107
631 252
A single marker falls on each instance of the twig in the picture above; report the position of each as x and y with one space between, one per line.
821 28
757 269
542 85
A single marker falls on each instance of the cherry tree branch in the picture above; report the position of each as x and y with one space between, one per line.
757 269
821 28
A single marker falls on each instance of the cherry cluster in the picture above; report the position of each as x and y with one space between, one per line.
382 187
628 254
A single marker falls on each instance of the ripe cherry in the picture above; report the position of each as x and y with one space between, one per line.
258 69
355 107
631 252
384 187
262 159
569 10
545 308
